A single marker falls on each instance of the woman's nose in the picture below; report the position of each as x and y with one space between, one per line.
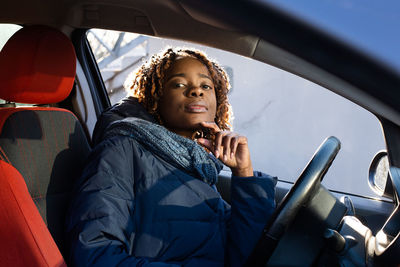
195 91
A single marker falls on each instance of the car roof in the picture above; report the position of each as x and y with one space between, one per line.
368 25
253 29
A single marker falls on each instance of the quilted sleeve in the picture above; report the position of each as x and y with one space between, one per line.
252 203
99 225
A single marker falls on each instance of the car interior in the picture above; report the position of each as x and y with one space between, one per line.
53 93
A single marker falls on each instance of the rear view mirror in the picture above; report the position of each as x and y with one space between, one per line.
379 176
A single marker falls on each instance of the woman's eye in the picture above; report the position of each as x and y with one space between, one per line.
206 87
179 85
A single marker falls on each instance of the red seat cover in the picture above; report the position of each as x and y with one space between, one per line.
37 66
25 240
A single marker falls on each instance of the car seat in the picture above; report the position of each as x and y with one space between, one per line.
42 148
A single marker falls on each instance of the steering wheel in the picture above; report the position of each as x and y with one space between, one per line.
302 191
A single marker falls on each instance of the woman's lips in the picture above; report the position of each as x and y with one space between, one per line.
196 108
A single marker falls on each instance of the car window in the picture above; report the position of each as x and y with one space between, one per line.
285 117
6 31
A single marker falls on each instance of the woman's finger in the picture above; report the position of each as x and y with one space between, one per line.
211 125
226 143
234 145
207 143
218 143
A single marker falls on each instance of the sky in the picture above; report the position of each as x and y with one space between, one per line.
373 26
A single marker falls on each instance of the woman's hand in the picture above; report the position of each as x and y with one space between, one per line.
231 148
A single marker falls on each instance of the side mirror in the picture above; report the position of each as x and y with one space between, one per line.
379 175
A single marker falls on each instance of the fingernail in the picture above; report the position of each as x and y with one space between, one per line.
216 153
232 155
225 157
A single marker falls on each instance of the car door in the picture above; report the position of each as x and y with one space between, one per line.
285 117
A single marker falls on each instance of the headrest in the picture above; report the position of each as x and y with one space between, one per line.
37 66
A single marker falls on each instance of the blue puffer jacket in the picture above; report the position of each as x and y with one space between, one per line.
131 208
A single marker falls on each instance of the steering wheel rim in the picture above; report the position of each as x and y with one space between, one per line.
302 191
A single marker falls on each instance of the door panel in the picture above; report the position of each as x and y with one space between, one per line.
372 212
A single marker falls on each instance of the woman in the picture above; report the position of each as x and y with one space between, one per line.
147 196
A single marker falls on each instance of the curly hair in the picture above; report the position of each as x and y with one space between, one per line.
147 85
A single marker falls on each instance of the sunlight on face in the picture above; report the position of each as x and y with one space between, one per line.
188 97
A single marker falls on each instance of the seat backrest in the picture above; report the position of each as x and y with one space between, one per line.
25 239
47 146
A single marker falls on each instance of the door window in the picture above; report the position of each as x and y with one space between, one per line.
285 117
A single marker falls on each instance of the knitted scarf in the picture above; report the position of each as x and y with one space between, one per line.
181 152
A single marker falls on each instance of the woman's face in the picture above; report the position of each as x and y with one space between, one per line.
188 97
